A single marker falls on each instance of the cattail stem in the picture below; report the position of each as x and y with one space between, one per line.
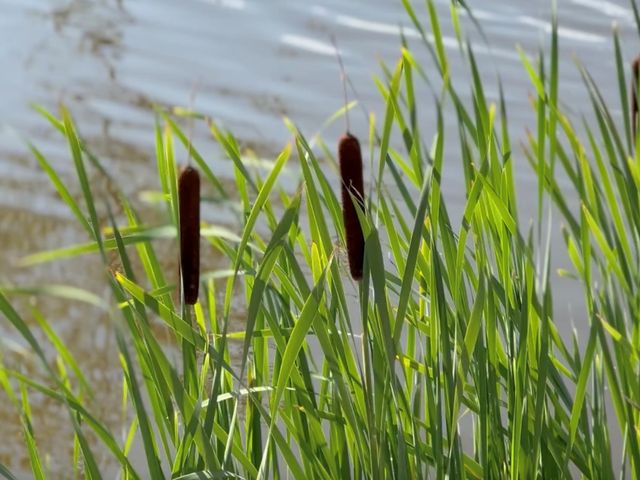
350 159
189 199
343 78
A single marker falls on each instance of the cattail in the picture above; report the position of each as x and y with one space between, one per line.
634 99
351 174
350 159
189 198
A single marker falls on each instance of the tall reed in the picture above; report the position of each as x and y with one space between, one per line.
453 366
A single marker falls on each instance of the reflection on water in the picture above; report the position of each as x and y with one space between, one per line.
254 62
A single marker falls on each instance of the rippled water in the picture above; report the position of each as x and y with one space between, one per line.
247 63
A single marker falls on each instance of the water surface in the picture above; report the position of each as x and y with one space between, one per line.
246 63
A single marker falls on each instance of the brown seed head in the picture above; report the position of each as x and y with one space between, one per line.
350 159
635 68
189 199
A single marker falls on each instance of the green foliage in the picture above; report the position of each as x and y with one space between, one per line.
445 361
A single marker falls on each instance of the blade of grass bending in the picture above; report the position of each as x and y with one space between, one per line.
543 168
185 458
622 89
636 14
374 258
19 324
423 34
172 320
298 336
479 104
154 272
436 174
552 98
67 292
261 199
76 153
411 260
208 475
59 125
388 122
6 473
10 393
137 234
507 154
185 403
15 319
267 265
27 428
533 76
146 430
412 137
393 239
171 174
153 384
168 315
544 366
610 137
255 303
328 195
474 324
189 354
232 152
76 408
62 350
283 444
437 36
318 221
581 387
623 413
607 250
500 208
258 205
612 201
61 188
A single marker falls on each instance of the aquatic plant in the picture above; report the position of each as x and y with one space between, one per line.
445 360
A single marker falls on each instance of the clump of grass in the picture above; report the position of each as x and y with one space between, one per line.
451 367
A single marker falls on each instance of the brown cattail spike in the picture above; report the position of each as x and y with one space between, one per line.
634 97
189 198
351 173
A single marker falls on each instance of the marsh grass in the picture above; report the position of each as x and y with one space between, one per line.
453 324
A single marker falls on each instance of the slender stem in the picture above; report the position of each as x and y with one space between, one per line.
192 99
343 78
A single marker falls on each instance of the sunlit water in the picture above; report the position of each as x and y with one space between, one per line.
246 63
